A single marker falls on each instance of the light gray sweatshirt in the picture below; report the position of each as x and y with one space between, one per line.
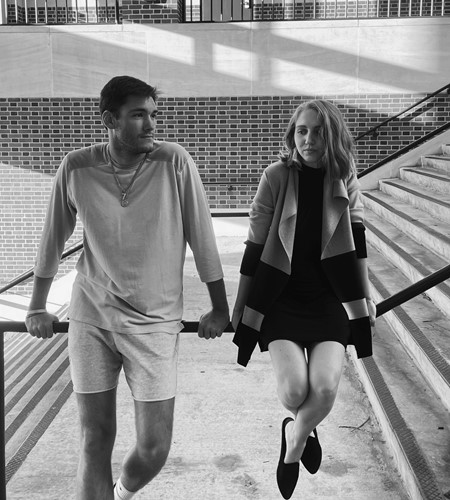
130 273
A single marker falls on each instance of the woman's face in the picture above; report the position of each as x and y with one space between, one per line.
308 138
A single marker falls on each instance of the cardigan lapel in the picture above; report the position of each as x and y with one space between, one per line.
288 218
335 202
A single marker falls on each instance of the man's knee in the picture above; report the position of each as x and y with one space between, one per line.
97 439
153 452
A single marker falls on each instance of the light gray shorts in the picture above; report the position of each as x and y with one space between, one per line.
149 361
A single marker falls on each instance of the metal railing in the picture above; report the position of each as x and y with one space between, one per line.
374 131
63 11
191 11
288 10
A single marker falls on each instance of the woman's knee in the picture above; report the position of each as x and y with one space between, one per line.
292 393
325 391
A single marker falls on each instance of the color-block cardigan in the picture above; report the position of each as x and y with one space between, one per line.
269 250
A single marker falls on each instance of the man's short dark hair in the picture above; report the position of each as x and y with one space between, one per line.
115 93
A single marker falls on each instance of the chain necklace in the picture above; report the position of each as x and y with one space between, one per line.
124 191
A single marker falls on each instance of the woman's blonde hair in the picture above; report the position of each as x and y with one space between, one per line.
339 157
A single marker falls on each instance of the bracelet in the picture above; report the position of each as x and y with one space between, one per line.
34 312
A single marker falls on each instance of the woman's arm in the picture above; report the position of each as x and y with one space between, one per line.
241 299
362 265
357 220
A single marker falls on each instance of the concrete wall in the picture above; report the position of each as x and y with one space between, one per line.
351 57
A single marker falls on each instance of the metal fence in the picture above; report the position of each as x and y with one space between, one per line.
193 11
63 11
285 10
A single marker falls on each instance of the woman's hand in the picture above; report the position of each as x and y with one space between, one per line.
372 307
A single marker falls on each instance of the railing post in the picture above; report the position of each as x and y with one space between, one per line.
2 418
3 12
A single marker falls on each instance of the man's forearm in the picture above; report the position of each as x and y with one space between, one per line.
41 289
218 295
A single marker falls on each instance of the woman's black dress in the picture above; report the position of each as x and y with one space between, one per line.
307 310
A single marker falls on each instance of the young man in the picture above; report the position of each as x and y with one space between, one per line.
140 202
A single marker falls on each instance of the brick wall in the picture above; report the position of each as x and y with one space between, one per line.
231 139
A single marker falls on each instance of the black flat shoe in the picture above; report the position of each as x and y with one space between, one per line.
287 474
312 454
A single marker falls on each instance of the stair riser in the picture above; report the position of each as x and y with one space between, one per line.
425 181
400 458
442 165
440 299
418 234
434 209
425 366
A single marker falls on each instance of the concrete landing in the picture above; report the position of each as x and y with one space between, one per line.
226 439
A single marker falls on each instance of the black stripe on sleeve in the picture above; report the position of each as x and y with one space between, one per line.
359 238
251 258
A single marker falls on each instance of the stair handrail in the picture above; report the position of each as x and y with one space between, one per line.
406 149
391 118
76 247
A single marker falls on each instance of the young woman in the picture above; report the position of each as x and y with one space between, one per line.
304 291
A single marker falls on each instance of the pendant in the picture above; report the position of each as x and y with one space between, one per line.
124 202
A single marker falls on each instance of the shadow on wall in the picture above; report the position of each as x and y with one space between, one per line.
231 59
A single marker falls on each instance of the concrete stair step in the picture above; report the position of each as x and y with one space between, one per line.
440 162
427 178
413 420
414 260
419 225
436 204
418 324
37 384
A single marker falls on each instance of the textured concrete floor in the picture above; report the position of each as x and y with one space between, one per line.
226 439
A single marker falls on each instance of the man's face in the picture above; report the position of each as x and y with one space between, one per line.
135 125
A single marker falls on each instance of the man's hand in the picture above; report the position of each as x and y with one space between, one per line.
212 324
41 325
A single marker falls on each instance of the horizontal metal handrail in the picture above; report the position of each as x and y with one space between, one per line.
383 307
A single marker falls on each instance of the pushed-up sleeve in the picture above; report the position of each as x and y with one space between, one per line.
59 224
198 227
